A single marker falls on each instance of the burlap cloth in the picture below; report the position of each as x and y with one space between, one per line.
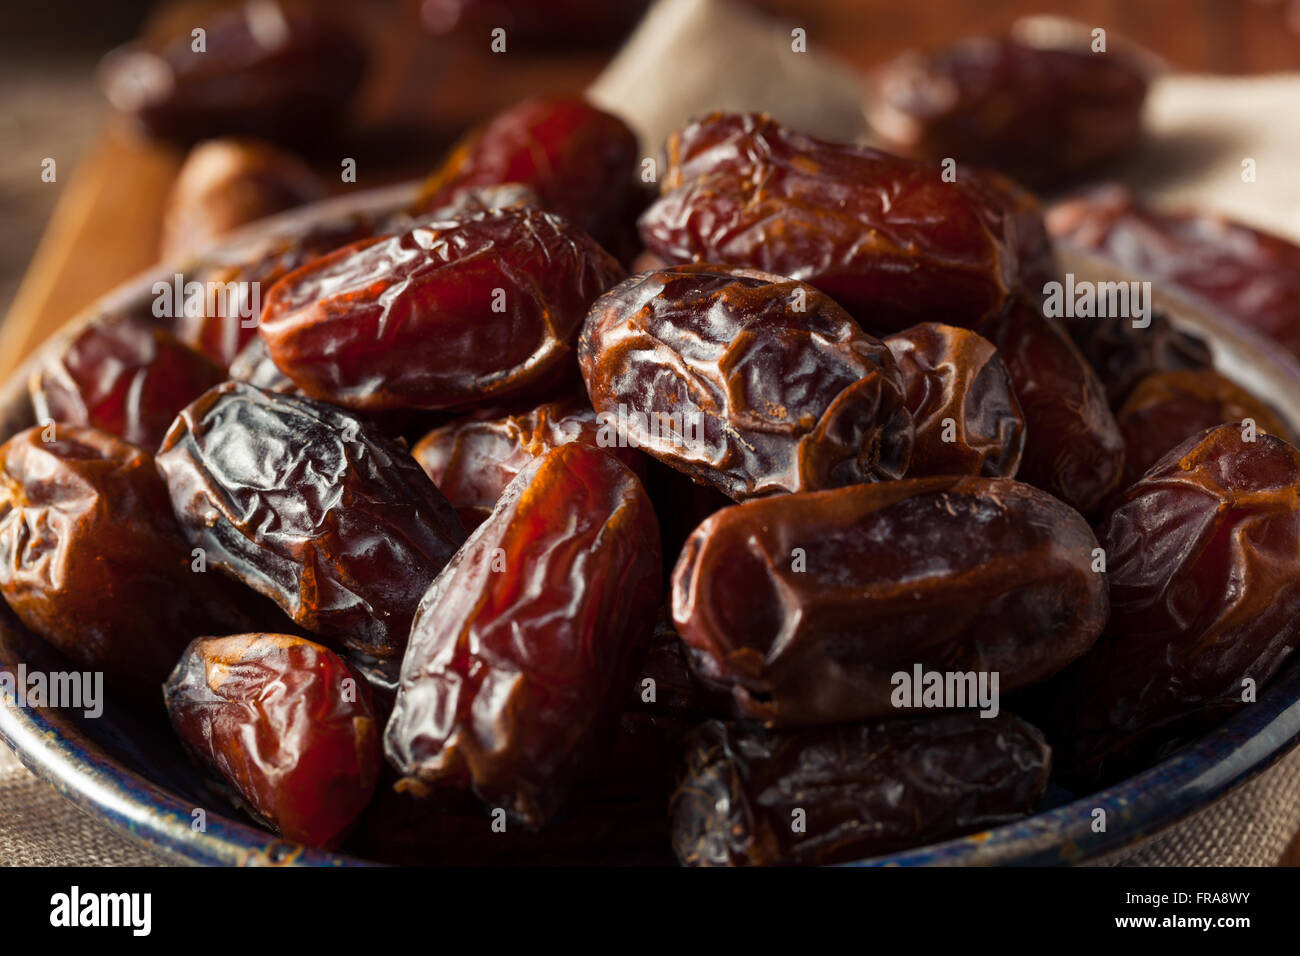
692 56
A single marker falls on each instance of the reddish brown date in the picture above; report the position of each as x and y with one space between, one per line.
278 70
963 406
286 723
863 790
123 376
581 162
520 649
1167 409
1123 354
226 183
1073 447
1203 561
1039 114
473 459
91 558
1249 275
746 381
451 313
804 606
884 236
305 504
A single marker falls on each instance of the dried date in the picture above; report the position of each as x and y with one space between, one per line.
746 381
1123 354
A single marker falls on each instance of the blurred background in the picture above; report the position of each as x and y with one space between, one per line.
428 74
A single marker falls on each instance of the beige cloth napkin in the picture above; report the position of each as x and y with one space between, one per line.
693 56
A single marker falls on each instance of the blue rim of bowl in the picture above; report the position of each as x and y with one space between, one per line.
1138 808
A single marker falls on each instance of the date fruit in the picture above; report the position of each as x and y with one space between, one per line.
884 236
123 376
745 381
864 789
1123 355
804 606
963 406
521 648
91 558
451 313
305 504
285 722
1203 560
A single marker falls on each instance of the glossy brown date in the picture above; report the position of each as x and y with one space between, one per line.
746 381
1040 114
451 313
804 606
91 558
1169 408
1123 354
963 407
1203 561
884 236
286 723
1249 275
1073 447
305 504
749 797
278 70
121 375
473 459
519 651
581 161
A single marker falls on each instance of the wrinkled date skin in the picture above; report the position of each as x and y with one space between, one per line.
963 407
1252 276
306 505
1122 355
805 605
1203 560
449 314
225 329
865 789
281 71
580 161
473 459
285 722
228 182
1041 115
91 558
1073 447
123 376
520 649
745 381
1167 409
882 235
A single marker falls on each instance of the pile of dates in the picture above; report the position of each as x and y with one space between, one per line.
767 520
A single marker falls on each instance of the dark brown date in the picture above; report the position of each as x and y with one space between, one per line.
1040 114
1167 409
963 406
473 459
121 375
451 313
278 70
226 183
306 505
285 722
1203 561
1073 447
519 650
253 365
91 558
581 162
884 236
859 791
746 381
1249 275
557 24
804 606
1122 354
